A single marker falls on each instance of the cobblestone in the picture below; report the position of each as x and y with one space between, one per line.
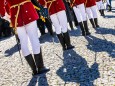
90 63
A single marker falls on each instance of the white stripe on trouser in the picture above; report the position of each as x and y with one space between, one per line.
59 21
100 5
29 31
92 12
80 12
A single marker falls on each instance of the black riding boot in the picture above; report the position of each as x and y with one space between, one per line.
82 28
103 12
109 8
100 12
61 39
71 25
39 63
67 40
92 22
86 28
49 26
96 22
31 63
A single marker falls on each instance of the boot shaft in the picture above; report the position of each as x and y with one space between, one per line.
92 22
39 63
61 39
31 63
39 60
96 22
82 28
86 27
67 40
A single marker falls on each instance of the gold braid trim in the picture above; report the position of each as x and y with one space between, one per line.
85 3
46 2
41 17
72 3
36 7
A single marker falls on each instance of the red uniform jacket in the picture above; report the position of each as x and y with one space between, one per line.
2 8
7 8
54 6
77 2
90 3
27 13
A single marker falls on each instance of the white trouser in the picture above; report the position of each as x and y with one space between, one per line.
80 12
59 21
100 5
107 1
92 12
29 31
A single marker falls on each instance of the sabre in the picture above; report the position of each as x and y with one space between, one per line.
17 43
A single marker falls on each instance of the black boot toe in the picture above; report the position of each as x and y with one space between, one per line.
88 33
43 70
70 47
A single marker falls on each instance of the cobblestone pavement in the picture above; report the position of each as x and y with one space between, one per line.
90 63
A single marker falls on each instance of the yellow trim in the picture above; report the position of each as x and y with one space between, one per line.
72 4
85 3
36 7
18 5
46 2
41 17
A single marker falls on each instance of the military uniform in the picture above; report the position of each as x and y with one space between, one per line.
91 10
79 9
23 18
58 17
100 6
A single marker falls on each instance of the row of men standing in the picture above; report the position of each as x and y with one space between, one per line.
24 17
90 11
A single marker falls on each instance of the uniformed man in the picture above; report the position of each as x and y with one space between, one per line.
23 18
58 17
79 9
91 10
100 6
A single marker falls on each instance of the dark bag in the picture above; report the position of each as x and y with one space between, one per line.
5 28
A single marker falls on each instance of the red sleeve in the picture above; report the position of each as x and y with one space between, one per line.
42 2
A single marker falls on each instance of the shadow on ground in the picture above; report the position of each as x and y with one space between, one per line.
101 45
103 31
38 81
109 16
11 51
75 69
48 38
